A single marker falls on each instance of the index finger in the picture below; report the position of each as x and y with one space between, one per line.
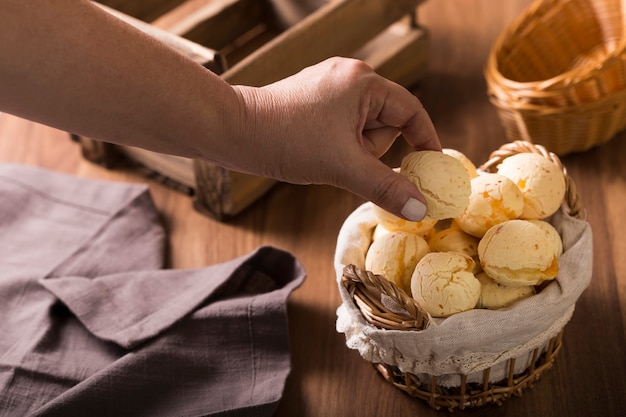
419 130
404 110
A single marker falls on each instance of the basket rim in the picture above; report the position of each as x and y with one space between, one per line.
609 101
569 78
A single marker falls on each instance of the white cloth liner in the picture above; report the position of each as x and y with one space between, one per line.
469 342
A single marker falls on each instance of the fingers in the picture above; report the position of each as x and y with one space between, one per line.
420 132
396 194
378 141
374 181
396 106
391 110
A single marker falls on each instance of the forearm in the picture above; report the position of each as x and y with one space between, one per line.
72 66
68 64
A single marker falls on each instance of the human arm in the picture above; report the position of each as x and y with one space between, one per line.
76 68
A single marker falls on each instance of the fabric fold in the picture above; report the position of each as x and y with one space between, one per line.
93 324
130 307
228 356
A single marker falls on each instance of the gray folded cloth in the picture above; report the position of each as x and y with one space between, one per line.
92 325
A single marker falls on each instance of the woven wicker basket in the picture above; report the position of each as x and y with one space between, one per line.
557 74
366 289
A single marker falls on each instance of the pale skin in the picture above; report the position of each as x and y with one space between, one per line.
70 65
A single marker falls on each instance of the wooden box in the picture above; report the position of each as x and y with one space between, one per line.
256 42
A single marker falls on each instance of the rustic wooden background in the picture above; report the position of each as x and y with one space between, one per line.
327 378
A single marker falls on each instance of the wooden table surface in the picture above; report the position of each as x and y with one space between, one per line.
330 380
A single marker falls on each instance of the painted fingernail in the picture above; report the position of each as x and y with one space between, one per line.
414 210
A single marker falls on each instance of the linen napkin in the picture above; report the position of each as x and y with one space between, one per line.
92 325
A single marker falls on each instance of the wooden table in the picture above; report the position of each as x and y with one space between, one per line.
330 380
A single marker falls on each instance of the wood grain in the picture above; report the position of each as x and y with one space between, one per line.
359 20
327 378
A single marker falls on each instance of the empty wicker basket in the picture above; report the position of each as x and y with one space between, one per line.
406 345
557 74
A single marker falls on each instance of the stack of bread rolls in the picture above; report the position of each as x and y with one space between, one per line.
486 241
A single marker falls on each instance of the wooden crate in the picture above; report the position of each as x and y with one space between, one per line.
256 42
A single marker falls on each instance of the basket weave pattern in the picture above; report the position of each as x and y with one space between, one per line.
362 284
386 306
557 75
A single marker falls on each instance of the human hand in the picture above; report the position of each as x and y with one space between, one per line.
330 124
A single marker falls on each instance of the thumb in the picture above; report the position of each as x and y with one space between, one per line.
390 190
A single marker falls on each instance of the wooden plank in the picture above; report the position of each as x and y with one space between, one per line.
339 28
285 14
400 53
214 23
223 194
176 168
203 55
101 153
146 10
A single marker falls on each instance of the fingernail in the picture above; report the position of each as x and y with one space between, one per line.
414 210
